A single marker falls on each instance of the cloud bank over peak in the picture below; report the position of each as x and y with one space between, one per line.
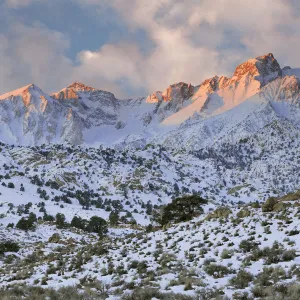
188 41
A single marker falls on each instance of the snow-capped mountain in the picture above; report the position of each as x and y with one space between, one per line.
220 94
28 116
219 108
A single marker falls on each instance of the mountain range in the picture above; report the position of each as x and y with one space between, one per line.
218 110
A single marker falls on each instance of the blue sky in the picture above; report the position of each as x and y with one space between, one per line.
85 26
135 47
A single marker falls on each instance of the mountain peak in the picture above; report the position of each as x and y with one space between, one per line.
78 86
214 83
180 90
20 92
263 68
70 92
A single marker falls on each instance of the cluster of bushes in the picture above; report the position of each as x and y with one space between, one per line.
27 223
154 293
220 213
272 255
95 224
27 292
8 246
241 280
217 271
248 246
43 194
36 180
268 284
52 184
96 291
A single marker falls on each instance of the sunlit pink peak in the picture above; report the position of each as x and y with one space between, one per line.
178 90
261 67
20 92
78 86
214 83
70 92
260 70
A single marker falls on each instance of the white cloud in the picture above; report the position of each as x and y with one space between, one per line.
110 65
196 39
33 55
20 3
191 40
174 58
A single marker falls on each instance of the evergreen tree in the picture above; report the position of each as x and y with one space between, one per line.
97 225
48 218
60 220
114 218
182 209
79 223
27 224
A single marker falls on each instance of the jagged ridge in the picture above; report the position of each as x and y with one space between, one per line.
82 114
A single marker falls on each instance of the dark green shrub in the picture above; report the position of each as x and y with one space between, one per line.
217 271
241 280
10 185
27 224
60 220
97 225
114 218
48 218
79 223
273 255
8 246
247 246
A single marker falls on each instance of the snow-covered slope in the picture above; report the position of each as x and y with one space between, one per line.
277 100
225 253
28 116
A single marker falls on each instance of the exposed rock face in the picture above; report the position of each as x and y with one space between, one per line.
286 89
177 91
155 97
220 94
174 98
212 84
263 68
78 86
71 91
